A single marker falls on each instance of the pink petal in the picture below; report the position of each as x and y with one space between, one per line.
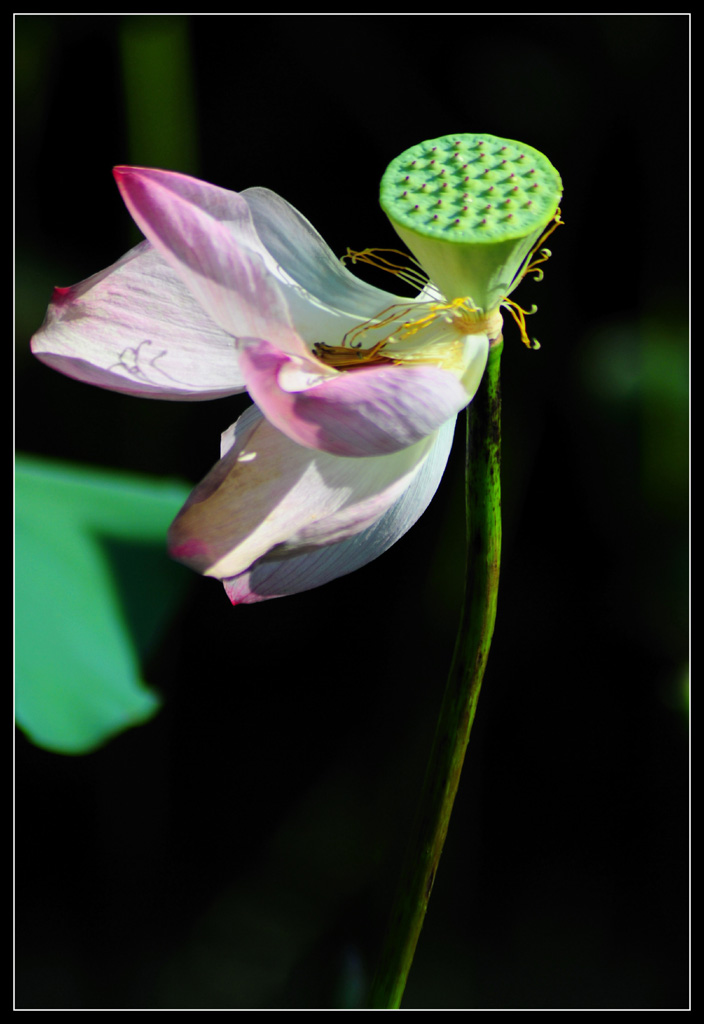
207 236
137 329
268 494
367 412
274 576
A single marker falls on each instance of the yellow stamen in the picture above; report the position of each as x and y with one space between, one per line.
415 278
544 254
457 310
519 315
343 358
388 316
350 354
532 266
436 310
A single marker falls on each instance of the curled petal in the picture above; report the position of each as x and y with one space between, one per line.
302 254
268 494
206 234
280 575
137 329
367 412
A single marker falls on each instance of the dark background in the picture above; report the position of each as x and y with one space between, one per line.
240 851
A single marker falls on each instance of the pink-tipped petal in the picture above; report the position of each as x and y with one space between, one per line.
268 494
136 328
207 236
367 412
274 576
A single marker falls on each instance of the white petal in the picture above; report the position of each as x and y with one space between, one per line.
307 259
269 493
136 328
277 576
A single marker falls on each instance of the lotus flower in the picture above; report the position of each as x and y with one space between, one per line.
356 390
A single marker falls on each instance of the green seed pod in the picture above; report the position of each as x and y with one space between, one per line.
471 208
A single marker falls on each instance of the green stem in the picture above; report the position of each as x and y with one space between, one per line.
483 497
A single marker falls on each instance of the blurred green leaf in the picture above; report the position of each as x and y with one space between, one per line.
94 590
159 91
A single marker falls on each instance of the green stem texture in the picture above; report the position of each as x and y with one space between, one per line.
483 506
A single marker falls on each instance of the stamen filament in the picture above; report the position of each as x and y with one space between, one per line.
519 315
343 358
530 264
414 278
388 316
403 316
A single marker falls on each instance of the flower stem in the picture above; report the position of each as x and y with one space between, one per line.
483 508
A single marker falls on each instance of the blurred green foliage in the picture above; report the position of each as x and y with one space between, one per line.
160 101
92 598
